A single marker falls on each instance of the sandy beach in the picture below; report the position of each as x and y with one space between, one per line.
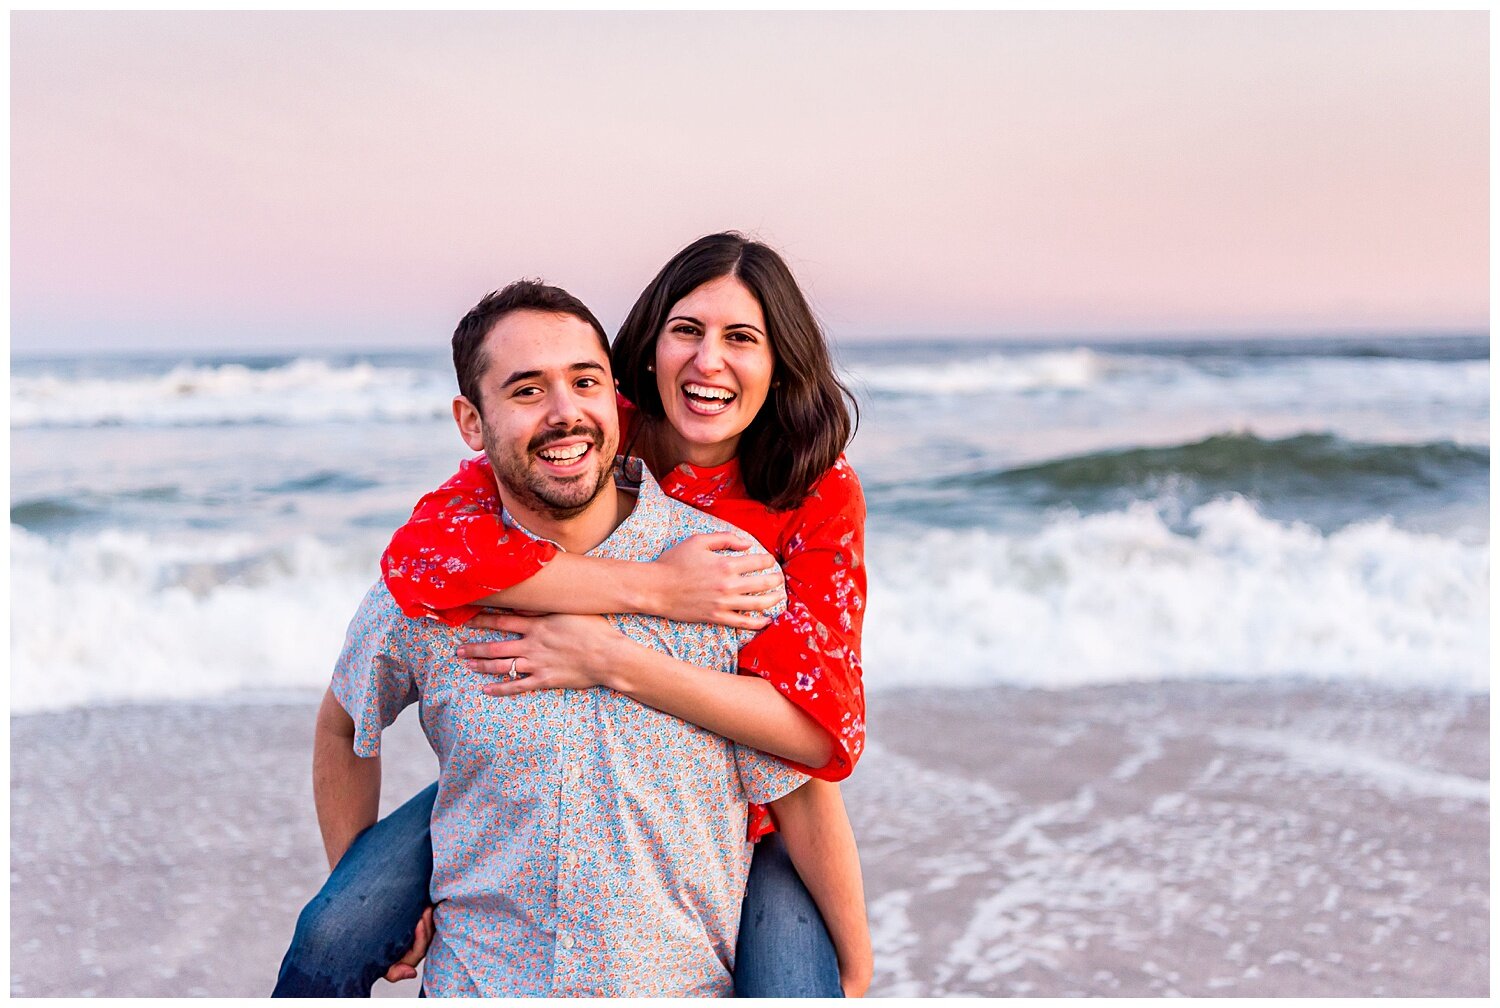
1162 839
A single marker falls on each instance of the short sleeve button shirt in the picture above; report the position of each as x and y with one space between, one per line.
583 844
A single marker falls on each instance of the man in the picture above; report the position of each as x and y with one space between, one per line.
583 844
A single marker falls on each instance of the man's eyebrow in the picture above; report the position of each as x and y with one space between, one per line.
520 376
732 325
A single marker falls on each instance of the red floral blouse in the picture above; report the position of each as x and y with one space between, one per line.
455 549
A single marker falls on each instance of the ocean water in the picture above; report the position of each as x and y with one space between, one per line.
1043 515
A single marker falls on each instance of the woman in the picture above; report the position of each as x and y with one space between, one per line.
738 412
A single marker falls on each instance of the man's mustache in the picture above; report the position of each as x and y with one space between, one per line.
541 441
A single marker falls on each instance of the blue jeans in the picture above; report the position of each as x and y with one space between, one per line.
362 919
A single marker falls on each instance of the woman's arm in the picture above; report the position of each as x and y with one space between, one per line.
576 652
694 582
819 840
810 653
456 554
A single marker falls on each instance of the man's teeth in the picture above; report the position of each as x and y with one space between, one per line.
704 392
567 454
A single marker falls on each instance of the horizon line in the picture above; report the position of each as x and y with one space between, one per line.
1081 336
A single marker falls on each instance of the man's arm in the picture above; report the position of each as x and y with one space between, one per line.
346 792
820 842
346 787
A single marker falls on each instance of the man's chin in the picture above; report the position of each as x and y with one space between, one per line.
564 499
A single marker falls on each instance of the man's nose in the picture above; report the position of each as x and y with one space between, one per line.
563 408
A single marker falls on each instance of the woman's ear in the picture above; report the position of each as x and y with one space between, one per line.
470 426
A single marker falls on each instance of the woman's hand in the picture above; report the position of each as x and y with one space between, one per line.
698 584
560 651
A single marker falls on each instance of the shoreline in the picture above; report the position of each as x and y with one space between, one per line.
1195 838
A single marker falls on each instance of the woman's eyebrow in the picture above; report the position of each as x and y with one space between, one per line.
732 325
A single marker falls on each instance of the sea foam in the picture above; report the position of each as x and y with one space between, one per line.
1072 369
305 390
1119 596
127 616
1346 381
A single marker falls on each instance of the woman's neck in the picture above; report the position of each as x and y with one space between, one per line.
663 449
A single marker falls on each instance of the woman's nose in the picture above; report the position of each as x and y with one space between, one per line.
710 356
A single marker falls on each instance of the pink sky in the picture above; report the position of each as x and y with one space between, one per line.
216 180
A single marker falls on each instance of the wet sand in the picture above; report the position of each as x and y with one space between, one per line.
1160 839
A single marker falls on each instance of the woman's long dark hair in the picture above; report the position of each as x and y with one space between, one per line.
804 424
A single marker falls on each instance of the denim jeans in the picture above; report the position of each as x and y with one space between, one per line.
362 919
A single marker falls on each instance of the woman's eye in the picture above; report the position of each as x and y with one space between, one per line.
586 382
685 330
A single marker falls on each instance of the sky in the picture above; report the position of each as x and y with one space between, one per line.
281 180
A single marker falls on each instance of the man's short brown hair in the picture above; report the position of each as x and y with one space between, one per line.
469 360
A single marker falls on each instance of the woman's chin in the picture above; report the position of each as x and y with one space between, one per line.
706 440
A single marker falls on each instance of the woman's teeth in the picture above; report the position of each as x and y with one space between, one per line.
708 396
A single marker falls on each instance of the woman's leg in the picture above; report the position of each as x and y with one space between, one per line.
784 949
362 919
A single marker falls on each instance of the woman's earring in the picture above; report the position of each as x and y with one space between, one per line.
650 367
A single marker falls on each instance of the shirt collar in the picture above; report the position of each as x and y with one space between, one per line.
631 476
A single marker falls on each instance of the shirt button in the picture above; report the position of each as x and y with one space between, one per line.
566 941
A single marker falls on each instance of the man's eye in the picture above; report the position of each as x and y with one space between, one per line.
527 391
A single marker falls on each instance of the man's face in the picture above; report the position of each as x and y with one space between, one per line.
548 420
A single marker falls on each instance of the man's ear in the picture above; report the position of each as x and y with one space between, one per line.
466 415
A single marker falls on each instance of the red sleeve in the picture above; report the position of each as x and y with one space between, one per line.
455 548
811 652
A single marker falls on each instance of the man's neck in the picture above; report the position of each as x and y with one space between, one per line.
583 531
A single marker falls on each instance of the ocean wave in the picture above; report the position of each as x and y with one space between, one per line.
1121 596
313 390
121 616
1066 370
305 390
1321 467
1255 381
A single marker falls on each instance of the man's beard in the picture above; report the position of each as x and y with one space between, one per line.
558 498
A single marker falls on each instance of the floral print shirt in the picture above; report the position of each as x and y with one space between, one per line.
583 844
456 548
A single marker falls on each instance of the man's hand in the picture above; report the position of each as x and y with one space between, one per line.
855 979
405 968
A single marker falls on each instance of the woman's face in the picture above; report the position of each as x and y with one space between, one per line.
713 369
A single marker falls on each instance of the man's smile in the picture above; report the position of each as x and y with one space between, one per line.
568 456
